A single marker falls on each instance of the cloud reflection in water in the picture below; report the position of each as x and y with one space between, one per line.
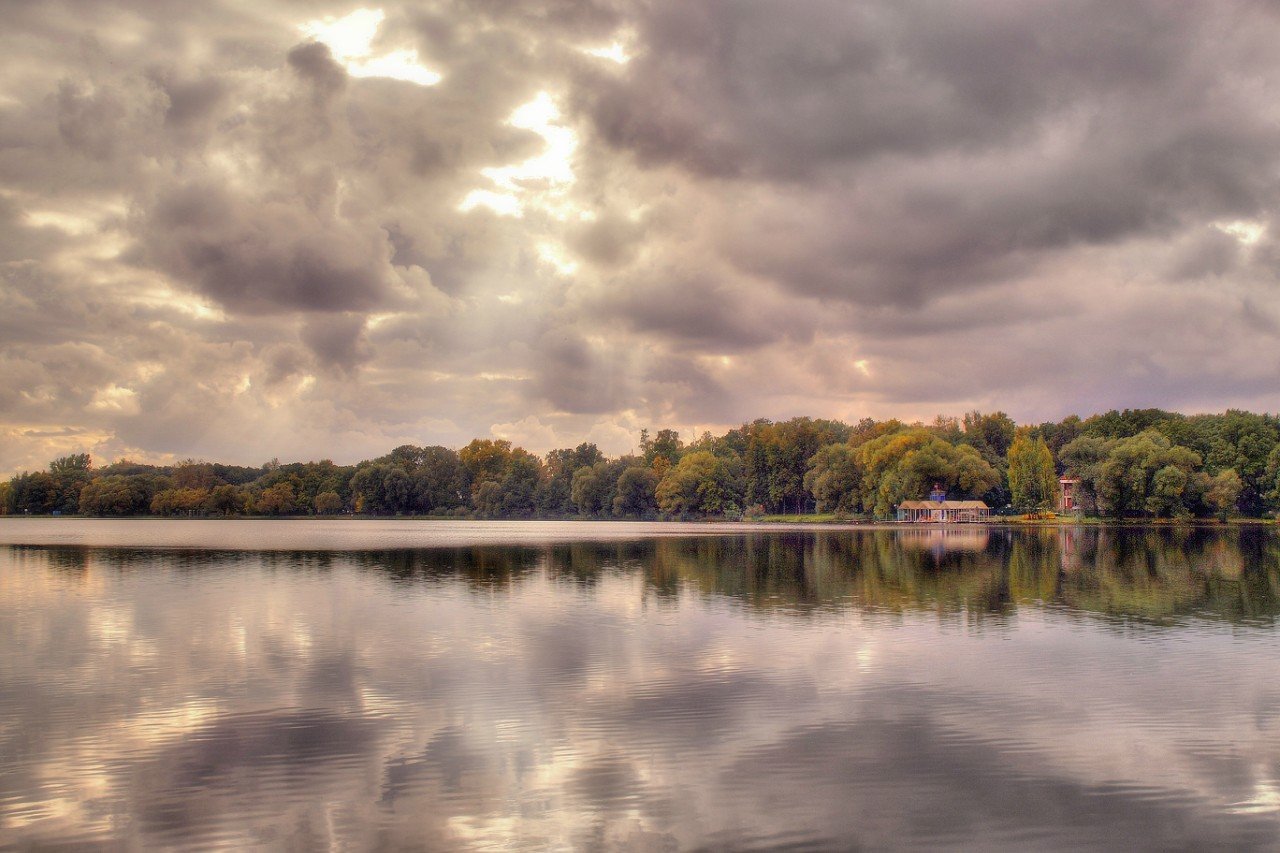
1003 690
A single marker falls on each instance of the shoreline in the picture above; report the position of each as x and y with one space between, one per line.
410 534
774 521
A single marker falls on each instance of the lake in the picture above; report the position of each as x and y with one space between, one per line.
487 685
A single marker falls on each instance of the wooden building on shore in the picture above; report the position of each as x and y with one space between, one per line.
937 509
1067 500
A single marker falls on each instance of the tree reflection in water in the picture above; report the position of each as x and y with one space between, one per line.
1153 574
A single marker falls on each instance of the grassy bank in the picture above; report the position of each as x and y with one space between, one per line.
808 518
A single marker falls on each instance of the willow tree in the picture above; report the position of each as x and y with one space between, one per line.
1032 480
903 466
701 483
833 478
1148 474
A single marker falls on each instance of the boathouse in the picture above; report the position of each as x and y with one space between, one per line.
938 509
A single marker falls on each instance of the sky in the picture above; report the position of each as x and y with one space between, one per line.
240 230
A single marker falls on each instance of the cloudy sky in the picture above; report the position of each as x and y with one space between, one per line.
237 230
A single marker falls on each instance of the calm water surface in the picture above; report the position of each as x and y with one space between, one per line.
356 685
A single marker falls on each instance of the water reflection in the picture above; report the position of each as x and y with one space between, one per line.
1091 687
1156 576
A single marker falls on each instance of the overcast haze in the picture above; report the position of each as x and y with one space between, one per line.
239 230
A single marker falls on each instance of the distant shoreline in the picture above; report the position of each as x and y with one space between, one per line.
799 522
399 534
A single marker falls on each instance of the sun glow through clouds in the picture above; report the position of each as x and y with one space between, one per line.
500 203
543 178
554 255
347 37
114 398
614 52
350 40
1245 231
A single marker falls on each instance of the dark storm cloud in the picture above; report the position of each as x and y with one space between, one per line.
315 62
1212 253
575 377
709 311
609 241
191 101
88 121
690 391
263 255
891 151
785 90
21 243
447 29
337 340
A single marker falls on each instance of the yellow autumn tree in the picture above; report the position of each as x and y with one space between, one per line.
1032 480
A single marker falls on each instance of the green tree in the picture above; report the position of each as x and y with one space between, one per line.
1127 424
1033 484
170 502
555 491
590 489
1058 435
397 490
327 503
662 451
636 493
407 456
439 481
777 456
69 474
869 429
117 495
1223 492
1146 474
76 462
485 459
226 500
1270 482
486 497
991 435
834 478
276 500
701 483
1236 440
1168 487
382 489
192 474
904 465
307 479
1082 459
519 484
366 487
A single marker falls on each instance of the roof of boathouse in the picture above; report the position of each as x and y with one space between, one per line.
943 505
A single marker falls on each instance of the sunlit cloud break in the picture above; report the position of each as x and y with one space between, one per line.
542 179
350 40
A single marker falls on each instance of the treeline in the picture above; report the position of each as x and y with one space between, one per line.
1132 463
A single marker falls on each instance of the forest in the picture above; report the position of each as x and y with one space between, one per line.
1135 463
